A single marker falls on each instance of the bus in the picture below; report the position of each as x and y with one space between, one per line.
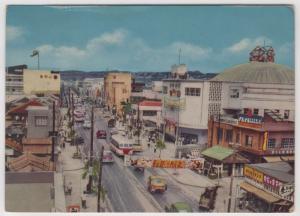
121 145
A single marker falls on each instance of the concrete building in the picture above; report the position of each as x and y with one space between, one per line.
41 82
14 80
117 87
149 111
254 87
38 121
185 104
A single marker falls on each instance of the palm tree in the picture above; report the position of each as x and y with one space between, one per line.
160 144
95 176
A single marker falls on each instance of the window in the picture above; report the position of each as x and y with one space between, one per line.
41 121
234 93
192 91
255 111
165 90
124 91
149 113
248 140
229 135
271 143
286 114
237 138
220 134
287 142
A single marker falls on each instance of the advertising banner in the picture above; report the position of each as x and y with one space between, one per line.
253 121
168 163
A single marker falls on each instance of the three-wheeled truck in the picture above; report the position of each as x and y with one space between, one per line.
208 198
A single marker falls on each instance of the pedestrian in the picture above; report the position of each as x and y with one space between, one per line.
148 144
155 149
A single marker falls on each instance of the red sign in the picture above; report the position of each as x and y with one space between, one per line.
73 208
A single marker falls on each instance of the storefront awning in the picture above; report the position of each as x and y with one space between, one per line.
259 193
270 159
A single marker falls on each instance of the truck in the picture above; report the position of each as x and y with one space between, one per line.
208 198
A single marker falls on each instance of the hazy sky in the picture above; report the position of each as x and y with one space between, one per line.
144 38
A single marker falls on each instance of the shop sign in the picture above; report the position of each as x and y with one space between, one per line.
168 163
286 189
253 121
253 174
270 181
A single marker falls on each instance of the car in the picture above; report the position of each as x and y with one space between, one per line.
107 157
101 134
179 207
156 184
87 124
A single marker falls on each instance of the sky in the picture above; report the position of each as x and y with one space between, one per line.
146 38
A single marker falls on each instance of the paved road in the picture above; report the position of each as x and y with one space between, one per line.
122 192
122 189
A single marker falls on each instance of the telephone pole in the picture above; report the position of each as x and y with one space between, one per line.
231 178
89 186
73 138
100 180
53 131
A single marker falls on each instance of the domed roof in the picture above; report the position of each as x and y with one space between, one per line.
258 72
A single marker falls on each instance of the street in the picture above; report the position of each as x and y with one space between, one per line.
121 185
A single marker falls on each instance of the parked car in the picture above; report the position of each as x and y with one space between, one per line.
179 207
107 157
87 124
101 134
157 183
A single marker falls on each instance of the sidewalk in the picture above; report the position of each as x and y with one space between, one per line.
72 170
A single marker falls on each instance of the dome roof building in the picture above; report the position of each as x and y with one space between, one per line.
258 72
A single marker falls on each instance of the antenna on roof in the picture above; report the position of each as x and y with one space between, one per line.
179 55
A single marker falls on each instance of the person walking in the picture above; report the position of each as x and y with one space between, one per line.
155 148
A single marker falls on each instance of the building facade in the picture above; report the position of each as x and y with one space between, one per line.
41 82
117 88
185 106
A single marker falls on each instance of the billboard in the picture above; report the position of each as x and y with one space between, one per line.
167 163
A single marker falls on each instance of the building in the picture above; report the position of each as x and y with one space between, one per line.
253 105
268 187
148 111
117 87
14 80
41 82
185 108
254 87
262 139
34 192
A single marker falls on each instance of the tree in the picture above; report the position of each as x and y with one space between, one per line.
95 170
160 144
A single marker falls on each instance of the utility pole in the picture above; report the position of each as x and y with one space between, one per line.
69 94
219 126
138 123
91 151
73 138
100 179
53 131
231 179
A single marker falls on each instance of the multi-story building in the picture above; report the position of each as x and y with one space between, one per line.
117 87
14 80
41 82
185 108
253 105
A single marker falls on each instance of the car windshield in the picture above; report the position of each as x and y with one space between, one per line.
158 181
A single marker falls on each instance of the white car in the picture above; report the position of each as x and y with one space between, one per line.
107 157
87 124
